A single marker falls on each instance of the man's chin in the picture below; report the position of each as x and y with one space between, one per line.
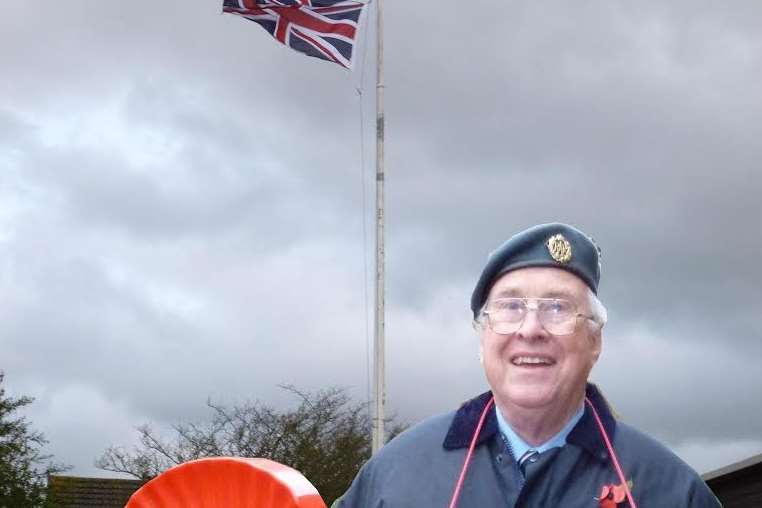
528 395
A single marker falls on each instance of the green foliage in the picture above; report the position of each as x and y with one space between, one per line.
23 466
326 437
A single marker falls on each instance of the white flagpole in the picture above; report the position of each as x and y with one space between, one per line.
378 330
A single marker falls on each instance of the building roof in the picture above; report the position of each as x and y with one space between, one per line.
738 485
732 468
79 492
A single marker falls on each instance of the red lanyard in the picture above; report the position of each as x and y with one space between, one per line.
490 402
614 458
454 500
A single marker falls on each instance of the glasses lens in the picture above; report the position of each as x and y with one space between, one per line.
558 316
504 327
506 314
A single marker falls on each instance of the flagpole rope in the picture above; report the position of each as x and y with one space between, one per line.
366 271
365 267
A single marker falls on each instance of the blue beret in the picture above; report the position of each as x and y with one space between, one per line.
556 245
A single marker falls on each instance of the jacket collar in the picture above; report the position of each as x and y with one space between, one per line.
465 421
585 434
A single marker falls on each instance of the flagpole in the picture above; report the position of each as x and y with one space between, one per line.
378 330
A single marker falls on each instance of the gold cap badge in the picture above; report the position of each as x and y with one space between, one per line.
559 248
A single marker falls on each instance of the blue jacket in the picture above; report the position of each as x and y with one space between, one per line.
419 468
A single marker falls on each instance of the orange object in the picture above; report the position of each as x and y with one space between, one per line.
228 482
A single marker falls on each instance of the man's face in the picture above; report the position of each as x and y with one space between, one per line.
511 361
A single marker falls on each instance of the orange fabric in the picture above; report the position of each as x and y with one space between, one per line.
228 482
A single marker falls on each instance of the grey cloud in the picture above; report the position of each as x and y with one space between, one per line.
688 387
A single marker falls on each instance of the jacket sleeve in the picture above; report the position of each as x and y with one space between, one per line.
701 496
359 494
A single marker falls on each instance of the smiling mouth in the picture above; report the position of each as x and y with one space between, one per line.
532 361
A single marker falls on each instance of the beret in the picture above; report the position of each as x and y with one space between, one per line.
556 245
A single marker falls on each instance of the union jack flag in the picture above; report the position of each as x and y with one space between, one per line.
321 28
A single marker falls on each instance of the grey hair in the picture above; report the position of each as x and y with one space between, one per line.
597 309
478 321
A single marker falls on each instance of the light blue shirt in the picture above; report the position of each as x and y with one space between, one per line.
519 447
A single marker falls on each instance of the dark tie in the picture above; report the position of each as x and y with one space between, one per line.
529 457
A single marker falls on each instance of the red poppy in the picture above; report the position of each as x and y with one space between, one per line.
611 495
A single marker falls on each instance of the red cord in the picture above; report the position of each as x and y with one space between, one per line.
454 500
612 454
462 477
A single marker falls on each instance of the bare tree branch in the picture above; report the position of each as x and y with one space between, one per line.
326 437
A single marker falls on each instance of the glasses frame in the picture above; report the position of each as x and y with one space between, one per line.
535 308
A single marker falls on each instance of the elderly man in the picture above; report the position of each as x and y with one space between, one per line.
542 436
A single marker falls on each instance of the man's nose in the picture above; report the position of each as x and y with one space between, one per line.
531 327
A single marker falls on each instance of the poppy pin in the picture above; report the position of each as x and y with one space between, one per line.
611 495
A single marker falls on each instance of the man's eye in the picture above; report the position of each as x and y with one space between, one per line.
509 305
558 306
549 306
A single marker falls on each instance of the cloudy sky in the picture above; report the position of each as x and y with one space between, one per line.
182 210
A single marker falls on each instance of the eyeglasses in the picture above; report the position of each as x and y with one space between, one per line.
557 316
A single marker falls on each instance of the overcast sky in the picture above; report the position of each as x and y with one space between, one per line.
181 207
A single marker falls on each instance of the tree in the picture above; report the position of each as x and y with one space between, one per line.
326 438
23 466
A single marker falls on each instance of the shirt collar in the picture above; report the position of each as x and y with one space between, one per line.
584 434
519 447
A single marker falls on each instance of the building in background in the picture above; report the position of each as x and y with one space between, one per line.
738 485
77 492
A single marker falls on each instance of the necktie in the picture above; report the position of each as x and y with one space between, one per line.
529 457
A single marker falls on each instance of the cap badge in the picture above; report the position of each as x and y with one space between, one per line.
559 248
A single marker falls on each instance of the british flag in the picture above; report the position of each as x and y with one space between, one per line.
324 29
